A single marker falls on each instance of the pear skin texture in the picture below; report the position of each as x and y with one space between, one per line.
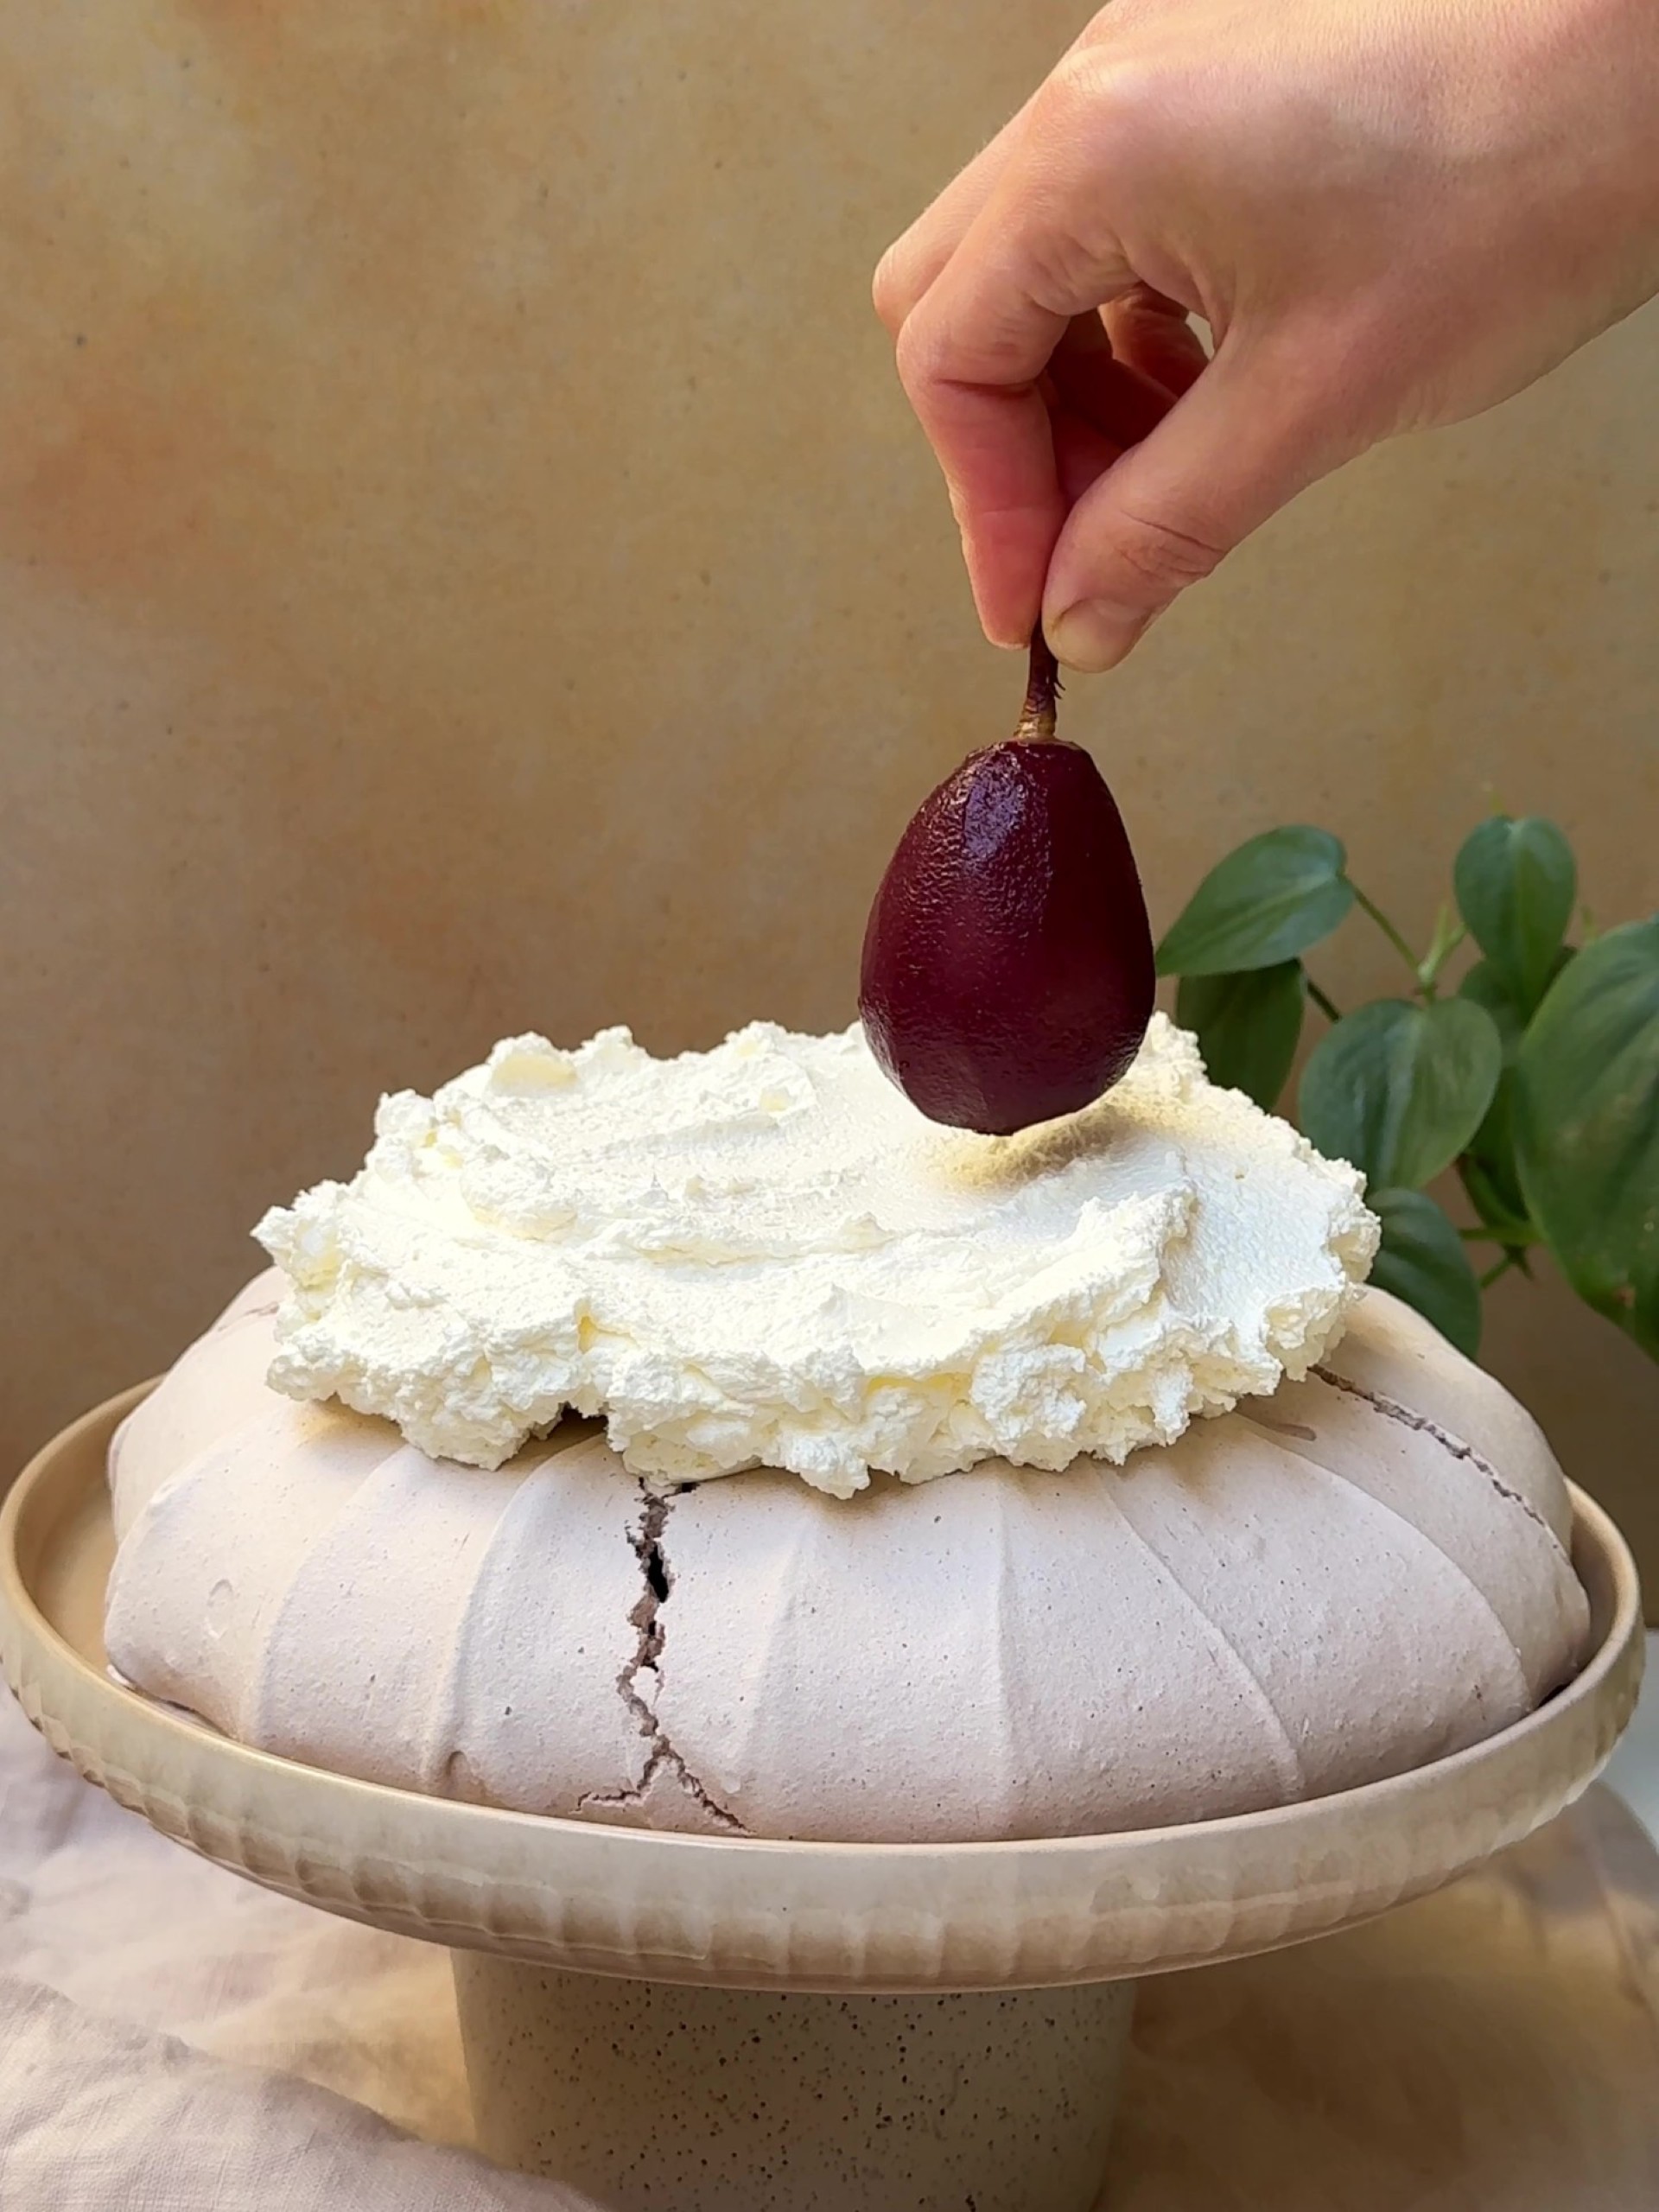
1007 973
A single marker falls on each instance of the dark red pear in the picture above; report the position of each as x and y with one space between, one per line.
1007 975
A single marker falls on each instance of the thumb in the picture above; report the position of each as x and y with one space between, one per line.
1233 450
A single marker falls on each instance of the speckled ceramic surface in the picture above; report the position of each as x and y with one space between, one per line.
646 2095
748 1913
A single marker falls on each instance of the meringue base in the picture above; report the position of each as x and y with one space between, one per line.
1365 1572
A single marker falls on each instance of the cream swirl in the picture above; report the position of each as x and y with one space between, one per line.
762 1255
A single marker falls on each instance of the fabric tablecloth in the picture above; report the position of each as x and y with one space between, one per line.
173 2039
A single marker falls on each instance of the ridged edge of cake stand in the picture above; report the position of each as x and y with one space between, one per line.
747 1914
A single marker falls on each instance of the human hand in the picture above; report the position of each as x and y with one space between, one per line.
1391 213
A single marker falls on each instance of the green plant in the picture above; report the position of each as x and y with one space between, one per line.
1536 1078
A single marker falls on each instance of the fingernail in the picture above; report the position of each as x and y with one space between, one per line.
1095 634
1010 636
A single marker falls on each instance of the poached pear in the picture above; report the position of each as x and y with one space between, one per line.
1007 975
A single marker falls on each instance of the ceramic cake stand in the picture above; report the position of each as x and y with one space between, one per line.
681 2024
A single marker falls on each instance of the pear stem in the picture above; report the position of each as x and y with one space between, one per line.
1036 722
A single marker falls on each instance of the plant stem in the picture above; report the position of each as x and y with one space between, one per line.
1036 723
1447 938
1320 1000
1502 1267
1387 928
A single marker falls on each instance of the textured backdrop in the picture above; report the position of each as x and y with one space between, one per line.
467 567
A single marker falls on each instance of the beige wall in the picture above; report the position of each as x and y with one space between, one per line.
467 567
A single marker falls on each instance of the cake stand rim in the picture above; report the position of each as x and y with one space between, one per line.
1147 1918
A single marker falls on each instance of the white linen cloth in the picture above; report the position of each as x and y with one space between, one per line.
173 2039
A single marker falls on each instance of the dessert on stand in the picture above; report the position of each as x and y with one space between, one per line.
809 1604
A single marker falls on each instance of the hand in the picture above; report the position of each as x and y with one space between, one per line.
1390 213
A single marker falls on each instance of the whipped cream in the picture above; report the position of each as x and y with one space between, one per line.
763 1255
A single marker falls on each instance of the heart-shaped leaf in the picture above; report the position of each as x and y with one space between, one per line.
1489 1171
1263 904
1247 1026
1515 882
1422 1260
1400 1088
1586 1125
1495 1193
1485 984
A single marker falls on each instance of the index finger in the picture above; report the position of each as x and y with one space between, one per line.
970 354
914 259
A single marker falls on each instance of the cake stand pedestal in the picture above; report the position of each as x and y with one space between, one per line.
648 2094
691 2023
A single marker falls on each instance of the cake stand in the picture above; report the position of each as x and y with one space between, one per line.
689 2023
